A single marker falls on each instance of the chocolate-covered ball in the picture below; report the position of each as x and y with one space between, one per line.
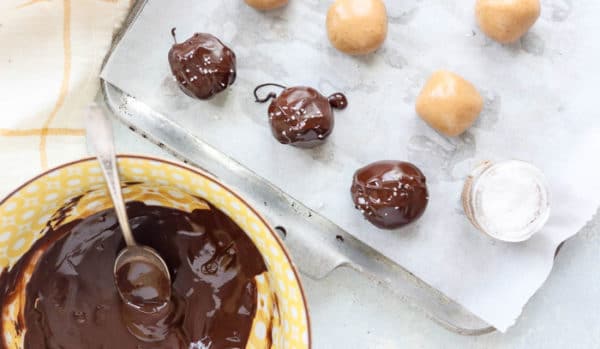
303 117
390 194
202 65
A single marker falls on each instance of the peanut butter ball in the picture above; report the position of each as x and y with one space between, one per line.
507 20
449 103
265 5
357 27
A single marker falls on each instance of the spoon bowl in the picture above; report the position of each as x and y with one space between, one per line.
142 278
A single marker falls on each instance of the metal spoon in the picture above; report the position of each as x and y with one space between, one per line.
99 133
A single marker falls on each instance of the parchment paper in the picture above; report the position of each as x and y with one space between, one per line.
541 106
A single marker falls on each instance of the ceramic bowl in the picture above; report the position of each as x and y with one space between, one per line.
281 308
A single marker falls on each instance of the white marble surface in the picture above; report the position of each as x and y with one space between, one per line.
349 312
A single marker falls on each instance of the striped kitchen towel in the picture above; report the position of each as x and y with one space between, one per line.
50 55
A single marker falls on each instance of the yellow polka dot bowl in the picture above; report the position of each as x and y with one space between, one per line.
281 319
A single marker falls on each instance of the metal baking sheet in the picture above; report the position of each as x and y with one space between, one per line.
316 244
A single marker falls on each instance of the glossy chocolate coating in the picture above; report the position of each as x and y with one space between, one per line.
390 194
202 65
303 117
71 300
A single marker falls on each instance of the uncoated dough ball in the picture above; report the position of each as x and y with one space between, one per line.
266 4
507 20
357 26
449 103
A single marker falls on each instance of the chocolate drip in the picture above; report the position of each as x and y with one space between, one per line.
338 101
271 95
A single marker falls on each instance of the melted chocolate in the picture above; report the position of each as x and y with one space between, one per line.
390 194
301 116
72 302
202 65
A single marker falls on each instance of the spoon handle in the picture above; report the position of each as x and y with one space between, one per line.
99 133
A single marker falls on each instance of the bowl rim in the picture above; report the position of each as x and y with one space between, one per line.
205 174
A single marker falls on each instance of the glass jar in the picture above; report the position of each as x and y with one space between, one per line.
508 200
